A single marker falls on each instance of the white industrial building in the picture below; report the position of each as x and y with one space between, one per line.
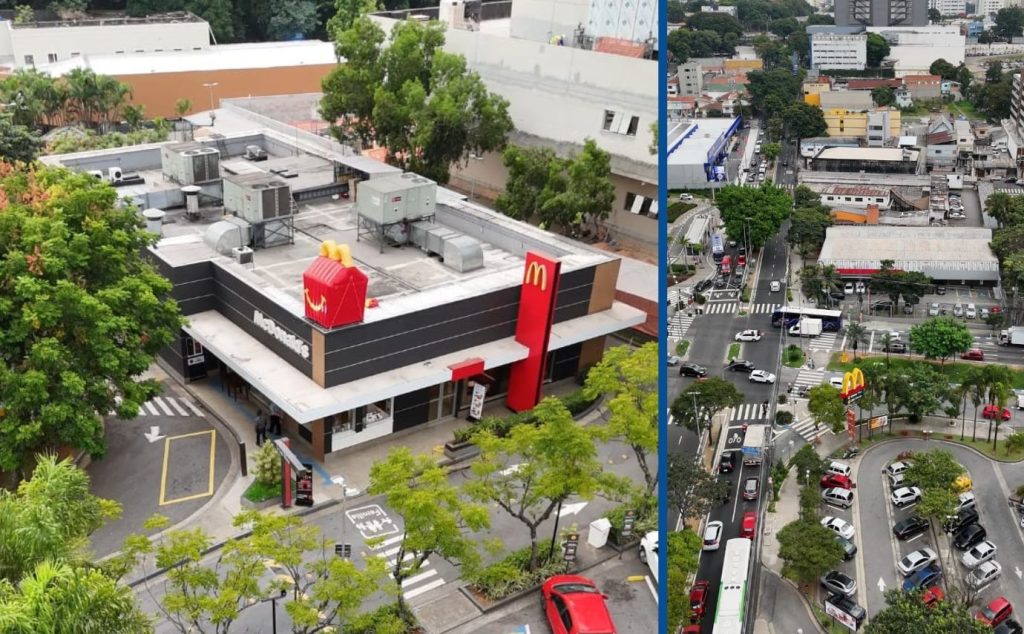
948 7
955 255
544 20
697 152
914 48
831 51
855 196
558 97
30 44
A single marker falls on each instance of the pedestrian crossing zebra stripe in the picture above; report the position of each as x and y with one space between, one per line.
166 406
806 430
747 411
414 585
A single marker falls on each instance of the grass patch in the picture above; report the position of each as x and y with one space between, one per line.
953 435
734 350
793 357
509 575
745 295
677 209
260 492
967 109
954 371
789 295
682 347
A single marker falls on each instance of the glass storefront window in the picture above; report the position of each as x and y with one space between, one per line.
342 422
381 410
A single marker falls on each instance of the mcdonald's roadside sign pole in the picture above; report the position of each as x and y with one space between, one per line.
852 391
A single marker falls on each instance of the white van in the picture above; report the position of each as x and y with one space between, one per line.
838 497
839 468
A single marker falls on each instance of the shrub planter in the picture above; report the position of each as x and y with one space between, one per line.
456 451
265 504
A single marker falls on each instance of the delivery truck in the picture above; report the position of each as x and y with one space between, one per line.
1012 336
753 445
806 328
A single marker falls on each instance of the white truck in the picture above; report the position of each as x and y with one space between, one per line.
806 328
1013 336
955 181
753 445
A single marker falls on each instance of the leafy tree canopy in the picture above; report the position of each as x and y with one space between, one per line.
698 403
808 549
878 50
941 338
1010 22
942 68
692 491
906 612
753 213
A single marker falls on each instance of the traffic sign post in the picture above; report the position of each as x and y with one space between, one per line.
627 526
572 542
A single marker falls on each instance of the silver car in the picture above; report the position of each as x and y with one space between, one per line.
958 310
917 560
979 554
984 574
933 309
840 583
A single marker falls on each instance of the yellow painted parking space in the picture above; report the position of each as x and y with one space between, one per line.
212 433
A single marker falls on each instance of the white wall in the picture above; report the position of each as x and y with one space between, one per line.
839 53
633 20
98 40
539 20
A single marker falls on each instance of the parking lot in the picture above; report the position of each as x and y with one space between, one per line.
874 516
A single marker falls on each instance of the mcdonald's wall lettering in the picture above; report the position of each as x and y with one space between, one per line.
533 329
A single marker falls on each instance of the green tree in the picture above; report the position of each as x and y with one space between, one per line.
856 333
83 315
182 106
1004 209
940 338
684 549
1014 442
220 16
807 228
292 20
771 150
628 379
771 91
697 405
267 465
435 516
692 491
753 214
535 176
720 23
350 87
17 142
994 72
134 115
678 46
918 389
826 407
346 12
535 468
878 49
804 121
1010 22
799 43
69 9
808 549
23 13
807 461
934 15
1007 240
783 27
936 503
934 469
818 281
883 96
676 12
906 612
771 51
942 68
589 193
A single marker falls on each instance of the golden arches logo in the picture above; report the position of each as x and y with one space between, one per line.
853 382
539 274
316 307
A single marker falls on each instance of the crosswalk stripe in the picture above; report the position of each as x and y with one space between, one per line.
437 583
177 407
152 410
191 406
420 577
389 541
159 401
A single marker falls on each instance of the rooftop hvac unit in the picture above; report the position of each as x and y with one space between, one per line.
242 255
114 174
391 199
190 163
255 153
257 197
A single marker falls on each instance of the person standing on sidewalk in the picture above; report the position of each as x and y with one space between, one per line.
275 420
261 428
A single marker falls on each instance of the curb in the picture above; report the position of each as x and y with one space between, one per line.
803 599
939 440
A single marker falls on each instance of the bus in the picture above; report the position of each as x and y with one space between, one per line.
732 591
717 246
726 265
789 316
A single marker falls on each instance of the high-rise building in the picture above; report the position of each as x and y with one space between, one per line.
881 12
949 7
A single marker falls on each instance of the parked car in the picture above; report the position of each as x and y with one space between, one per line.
728 462
839 583
835 481
910 527
933 309
574 605
1009 626
860 287
896 468
703 285
881 306
838 525
984 574
685 197
836 382
974 354
963 518
905 496
992 411
972 311
920 558
848 289
699 598
749 335
748 527
997 611
838 497
739 365
979 554
968 536
762 376
692 369
849 548
908 308
965 500
932 596
896 347
958 310
924 578
838 468
848 605
983 313
713 536
940 290
750 486
898 481
648 552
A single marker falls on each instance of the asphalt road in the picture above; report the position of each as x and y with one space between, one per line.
875 516
173 475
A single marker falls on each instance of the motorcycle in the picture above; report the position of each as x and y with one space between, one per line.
851 452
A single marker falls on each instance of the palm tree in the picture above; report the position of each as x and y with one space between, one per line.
830 280
978 388
999 394
856 333
182 106
886 340
133 115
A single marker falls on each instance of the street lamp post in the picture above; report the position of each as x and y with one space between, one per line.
211 86
273 609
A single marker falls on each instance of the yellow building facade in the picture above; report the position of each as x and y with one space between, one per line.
813 89
742 64
843 122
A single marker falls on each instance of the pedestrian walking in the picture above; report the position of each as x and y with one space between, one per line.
261 428
275 420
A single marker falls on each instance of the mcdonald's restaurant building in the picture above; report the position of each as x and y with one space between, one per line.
352 338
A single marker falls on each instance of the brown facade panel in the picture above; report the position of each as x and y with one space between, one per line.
317 429
602 294
160 91
591 352
649 327
317 350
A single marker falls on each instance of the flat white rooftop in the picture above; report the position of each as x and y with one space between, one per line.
912 248
868 154
690 141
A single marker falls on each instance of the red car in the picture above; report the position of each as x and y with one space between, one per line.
574 605
749 525
991 411
693 628
836 481
932 596
699 598
974 354
995 612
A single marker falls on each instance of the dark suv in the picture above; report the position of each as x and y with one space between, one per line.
849 548
848 605
739 365
968 536
965 517
692 369
728 462
913 525
898 347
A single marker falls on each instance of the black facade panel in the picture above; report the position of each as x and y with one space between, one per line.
171 354
238 302
412 409
565 362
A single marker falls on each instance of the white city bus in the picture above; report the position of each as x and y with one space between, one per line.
732 591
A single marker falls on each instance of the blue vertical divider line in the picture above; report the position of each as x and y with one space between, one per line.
662 313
